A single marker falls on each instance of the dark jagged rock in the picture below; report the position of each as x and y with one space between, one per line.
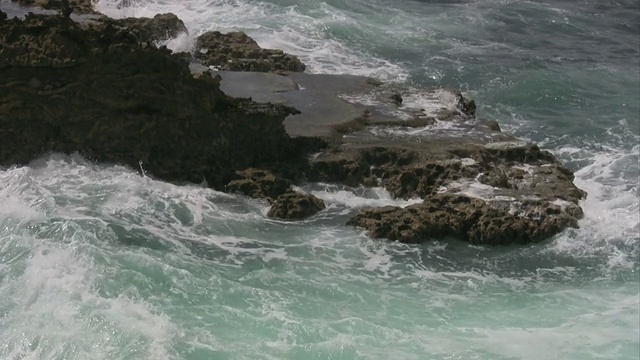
397 99
103 89
235 51
468 219
518 194
43 40
65 6
295 206
430 147
259 183
423 170
160 27
96 90
492 125
465 105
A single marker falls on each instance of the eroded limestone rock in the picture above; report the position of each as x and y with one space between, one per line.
295 206
259 183
235 51
469 219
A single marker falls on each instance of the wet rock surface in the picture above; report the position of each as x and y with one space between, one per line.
295 206
493 193
147 30
66 6
469 219
235 51
96 89
102 88
259 183
476 182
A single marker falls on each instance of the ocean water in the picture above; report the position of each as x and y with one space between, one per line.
97 262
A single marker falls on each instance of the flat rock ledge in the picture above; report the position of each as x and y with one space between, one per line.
101 87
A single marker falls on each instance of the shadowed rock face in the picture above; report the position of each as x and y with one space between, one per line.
96 90
77 6
235 51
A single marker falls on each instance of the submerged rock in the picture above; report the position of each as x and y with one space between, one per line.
235 51
295 206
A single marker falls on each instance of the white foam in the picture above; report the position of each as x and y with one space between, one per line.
611 223
430 102
505 144
355 197
474 189
272 27
468 162
415 102
57 309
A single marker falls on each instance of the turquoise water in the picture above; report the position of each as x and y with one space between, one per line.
97 262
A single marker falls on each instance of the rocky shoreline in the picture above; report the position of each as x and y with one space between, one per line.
249 120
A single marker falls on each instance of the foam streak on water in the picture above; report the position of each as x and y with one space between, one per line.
100 262
305 34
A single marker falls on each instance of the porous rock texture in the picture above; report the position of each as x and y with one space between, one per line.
235 51
295 206
259 184
515 195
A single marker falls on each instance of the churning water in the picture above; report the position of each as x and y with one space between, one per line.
97 262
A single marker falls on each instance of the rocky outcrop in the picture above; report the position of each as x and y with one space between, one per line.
103 89
94 88
148 30
493 193
235 51
295 206
470 219
66 6
259 184
421 170
492 187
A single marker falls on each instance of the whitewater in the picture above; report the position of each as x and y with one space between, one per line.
99 262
